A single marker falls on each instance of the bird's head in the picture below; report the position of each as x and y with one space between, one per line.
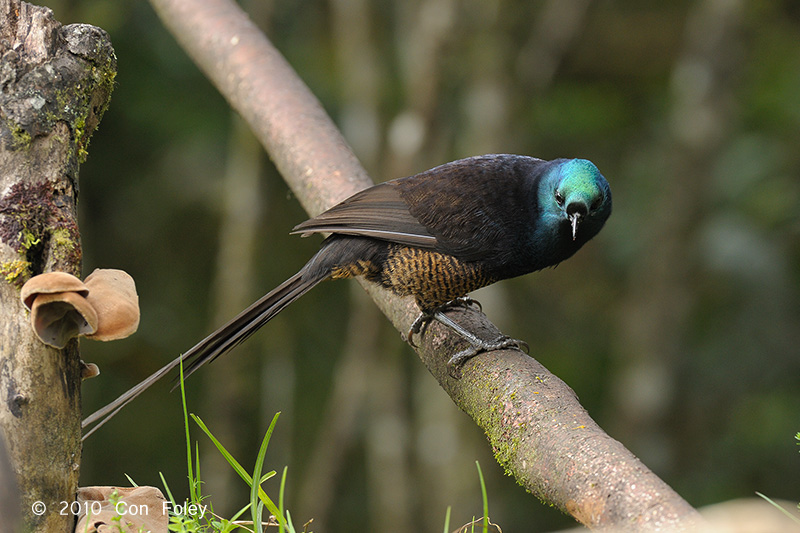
577 196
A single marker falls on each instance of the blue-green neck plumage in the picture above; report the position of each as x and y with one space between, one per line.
573 202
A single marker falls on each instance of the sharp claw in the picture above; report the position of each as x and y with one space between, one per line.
467 301
461 301
409 338
417 327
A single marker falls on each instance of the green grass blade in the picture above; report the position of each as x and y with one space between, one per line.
197 482
780 508
447 519
166 488
189 465
485 500
280 498
237 467
258 511
240 512
255 488
289 524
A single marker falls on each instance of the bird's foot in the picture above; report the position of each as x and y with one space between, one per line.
418 326
478 345
424 318
462 301
458 360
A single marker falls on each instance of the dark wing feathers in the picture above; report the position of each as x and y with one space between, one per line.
377 212
464 208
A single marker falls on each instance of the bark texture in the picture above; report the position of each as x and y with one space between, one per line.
55 83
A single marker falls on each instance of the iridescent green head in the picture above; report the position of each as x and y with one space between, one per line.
575 194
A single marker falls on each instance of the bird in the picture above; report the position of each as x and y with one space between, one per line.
435 236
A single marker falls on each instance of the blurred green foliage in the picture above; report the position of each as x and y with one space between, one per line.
678 326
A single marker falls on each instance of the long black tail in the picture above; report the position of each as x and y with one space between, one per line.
223 339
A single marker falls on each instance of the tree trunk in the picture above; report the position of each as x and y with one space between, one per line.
56 83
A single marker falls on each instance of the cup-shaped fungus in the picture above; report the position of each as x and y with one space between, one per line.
59 309
104 307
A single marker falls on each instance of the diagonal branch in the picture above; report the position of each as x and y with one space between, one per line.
538 430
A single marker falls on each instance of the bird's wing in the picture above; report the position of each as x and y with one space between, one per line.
468 208
379 212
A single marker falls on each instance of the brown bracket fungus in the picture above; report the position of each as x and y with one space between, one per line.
59 310
105 307
112 293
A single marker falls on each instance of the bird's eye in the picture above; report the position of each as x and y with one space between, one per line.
559 198
597 202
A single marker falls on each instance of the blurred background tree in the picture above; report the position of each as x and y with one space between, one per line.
678 326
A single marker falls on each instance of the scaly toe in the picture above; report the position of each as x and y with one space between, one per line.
463 301
456 362
459 359
418 326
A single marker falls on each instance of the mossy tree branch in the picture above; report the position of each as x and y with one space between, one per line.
535 424
56 82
